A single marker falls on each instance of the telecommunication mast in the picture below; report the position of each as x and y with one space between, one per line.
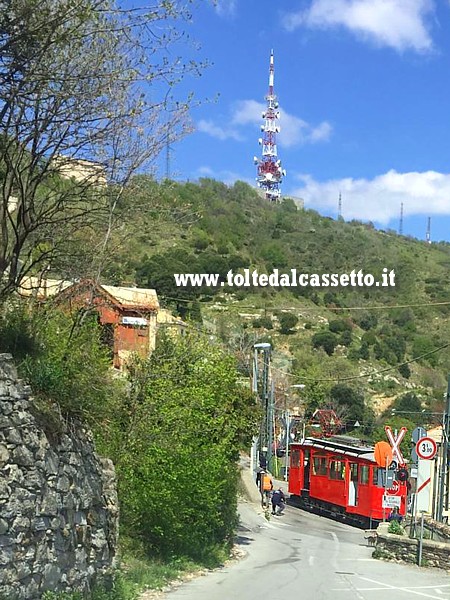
270 172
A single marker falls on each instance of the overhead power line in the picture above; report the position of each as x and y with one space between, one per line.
312 308
366 375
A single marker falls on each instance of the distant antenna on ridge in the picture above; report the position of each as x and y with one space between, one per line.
269 170
340 207
428 237
400 227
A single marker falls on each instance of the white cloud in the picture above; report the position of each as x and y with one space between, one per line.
226 8
216 131
398 24
379 199
294 131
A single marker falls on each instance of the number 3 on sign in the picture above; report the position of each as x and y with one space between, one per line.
426 448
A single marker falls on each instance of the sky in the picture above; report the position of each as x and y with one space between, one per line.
364 93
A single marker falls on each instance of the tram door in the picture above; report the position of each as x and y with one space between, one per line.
353 485
306 470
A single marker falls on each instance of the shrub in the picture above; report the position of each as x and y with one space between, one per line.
326 340
265 322
339 326
63 359
396 528
287 322
178 439
404 371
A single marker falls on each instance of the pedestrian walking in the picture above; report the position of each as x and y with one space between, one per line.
265 487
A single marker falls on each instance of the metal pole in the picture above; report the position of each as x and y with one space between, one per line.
445 446
412 526
287 419
419 560
270 416
385 487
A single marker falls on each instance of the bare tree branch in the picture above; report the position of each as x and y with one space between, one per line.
86 99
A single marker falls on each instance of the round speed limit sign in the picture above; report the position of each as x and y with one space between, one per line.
426 448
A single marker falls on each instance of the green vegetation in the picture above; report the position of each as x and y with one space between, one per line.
175 444
396 528
174 430
137 574
381 342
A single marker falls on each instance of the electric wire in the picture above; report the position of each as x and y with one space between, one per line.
364 375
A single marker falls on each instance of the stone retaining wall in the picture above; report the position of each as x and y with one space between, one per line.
401 547
58 502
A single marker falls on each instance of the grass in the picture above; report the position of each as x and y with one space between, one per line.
136 575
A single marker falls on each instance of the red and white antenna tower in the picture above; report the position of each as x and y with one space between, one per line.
270 173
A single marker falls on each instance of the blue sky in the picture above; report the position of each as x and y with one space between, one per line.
364 92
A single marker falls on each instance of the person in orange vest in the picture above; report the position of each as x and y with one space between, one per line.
265 487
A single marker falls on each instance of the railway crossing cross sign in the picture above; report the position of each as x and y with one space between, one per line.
395 443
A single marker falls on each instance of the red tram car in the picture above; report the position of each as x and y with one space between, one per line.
341 478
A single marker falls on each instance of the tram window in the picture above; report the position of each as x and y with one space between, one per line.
337 469
295 458
319 465
364 474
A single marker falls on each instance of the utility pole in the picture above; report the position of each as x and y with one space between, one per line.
264 389
287 420
443 482
428 235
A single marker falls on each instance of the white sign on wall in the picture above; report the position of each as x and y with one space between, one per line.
134 321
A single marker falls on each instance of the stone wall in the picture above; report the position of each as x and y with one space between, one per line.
58 501
401 547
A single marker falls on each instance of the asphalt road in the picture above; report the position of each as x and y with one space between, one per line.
300 555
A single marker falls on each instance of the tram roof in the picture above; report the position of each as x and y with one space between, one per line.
346 449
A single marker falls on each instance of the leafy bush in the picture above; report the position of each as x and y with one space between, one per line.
326 340
368 321
363 352
339 326
346 338
396 528
287 322
62 358
405 371
265 322
175 443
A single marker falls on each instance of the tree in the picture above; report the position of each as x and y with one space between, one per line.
86 100
176 441
287 322
353 400
326 340
339 326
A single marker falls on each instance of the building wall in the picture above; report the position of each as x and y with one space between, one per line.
127 339
130 339
58 502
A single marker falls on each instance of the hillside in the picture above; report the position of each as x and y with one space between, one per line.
319 333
